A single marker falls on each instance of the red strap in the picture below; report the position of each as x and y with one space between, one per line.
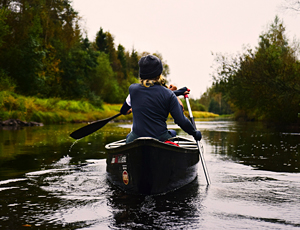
172 143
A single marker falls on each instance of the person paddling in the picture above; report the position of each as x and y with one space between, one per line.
151 102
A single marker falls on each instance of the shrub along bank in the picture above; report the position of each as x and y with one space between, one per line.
55 110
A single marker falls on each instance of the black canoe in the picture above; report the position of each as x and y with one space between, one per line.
147 166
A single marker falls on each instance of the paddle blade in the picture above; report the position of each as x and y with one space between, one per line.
93 127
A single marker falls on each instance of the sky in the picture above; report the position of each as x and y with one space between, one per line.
186 32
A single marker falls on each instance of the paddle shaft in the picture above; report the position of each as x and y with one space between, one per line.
198 142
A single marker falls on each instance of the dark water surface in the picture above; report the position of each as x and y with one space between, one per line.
47 184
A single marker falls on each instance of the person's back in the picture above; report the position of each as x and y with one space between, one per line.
151 107
151 103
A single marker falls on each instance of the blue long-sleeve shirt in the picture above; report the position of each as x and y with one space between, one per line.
151 107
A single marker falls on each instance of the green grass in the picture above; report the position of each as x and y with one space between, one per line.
55 110
52 110
200 114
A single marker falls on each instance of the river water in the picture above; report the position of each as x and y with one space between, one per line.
46 183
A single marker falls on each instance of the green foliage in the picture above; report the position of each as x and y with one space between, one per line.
123 59
265 83
52 110
201 114
40 33
78 64
4 28
47 117
6 82
104 82
195 105
214 101
122 62
43 54
133 63
100 41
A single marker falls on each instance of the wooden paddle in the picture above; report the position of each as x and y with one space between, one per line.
186 96
93 127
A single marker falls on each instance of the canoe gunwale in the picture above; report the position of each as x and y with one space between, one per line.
185 144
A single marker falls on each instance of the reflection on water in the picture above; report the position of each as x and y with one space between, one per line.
43 185
254 144
148 212
33 148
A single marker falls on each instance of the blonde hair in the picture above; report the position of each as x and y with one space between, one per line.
161 80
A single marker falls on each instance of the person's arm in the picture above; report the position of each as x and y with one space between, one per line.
181 91
181 120
126 108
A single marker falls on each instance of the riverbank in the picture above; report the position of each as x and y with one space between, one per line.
55 110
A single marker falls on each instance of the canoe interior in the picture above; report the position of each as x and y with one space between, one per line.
148 166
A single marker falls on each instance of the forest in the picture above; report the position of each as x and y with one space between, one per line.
45 54
262 83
